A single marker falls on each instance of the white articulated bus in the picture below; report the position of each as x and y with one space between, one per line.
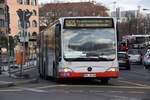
80 47
141 41
137 41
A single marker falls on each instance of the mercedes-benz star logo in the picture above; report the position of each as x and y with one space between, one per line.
89 69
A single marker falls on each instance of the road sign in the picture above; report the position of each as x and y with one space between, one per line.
33 51
24 16
30 44
25 37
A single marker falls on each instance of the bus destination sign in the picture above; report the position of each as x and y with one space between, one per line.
88 23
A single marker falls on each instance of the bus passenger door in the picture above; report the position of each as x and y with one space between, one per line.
57 48
41 67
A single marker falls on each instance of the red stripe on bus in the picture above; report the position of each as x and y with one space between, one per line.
79 75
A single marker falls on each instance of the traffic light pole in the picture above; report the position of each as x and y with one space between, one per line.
8 44
0 53
24 16
9 55
23 48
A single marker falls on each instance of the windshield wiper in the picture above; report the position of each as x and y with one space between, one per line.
103 59
87 59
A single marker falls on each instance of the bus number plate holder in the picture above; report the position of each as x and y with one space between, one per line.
89 75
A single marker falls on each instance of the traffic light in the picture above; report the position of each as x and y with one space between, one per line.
7 16
21 17
20 14
24 17
28 14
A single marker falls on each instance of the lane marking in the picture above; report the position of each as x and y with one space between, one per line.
12 90
96 86
136 92
71 91
133 83
92 91
125 87
117 91
78 91
32 89
49 86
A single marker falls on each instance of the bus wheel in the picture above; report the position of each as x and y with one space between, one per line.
104 80
54 71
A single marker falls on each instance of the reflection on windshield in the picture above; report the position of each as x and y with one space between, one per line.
97 44
140 39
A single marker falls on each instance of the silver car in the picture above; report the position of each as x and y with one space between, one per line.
135 56
146 60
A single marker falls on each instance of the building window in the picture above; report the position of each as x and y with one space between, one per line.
34 34
2 1
33 2
2 33
34 23
19 1
34 13
1 11
26 2
1 22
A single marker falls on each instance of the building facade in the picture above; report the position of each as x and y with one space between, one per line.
2 17
32 6
123 15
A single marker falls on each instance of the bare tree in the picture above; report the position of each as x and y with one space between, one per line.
49 13
133 22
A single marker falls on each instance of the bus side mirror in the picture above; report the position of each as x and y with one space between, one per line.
57 30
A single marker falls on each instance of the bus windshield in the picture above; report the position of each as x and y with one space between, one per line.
140 39
89 44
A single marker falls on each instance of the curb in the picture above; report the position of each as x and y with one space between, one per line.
10 84
7 84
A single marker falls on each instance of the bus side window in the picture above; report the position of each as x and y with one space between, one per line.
58 41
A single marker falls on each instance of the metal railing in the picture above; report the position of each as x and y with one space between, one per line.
8 64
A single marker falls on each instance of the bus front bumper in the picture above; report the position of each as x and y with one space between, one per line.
88 74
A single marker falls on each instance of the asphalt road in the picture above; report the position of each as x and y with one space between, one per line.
131 85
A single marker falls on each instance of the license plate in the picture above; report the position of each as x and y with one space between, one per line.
121 61
89 75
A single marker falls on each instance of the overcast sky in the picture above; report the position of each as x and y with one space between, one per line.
124 4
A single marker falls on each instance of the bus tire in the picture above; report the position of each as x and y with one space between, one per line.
104 80
146 67
54 70
129 68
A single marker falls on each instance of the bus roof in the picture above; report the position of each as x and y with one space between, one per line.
140 35
62 18
86 17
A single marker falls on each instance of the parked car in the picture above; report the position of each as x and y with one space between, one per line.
123 59
146 60
135 56
147 49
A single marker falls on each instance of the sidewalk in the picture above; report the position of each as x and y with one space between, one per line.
31 77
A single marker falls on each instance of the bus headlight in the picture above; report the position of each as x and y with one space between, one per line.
67 70
113 69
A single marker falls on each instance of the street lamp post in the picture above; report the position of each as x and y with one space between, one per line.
0 51
138 13
145 22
